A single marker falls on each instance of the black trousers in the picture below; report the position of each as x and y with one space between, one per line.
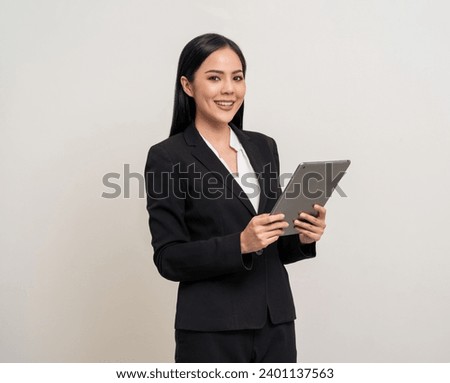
270 344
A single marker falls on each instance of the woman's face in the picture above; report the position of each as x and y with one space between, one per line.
218 88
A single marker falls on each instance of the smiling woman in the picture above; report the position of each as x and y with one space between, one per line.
234 299
218 89
192 57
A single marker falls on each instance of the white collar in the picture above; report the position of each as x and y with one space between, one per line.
234 142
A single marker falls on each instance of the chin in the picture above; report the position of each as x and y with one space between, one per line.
223 121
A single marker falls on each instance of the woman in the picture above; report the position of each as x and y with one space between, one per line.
210 186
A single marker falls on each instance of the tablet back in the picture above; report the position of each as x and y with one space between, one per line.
312 183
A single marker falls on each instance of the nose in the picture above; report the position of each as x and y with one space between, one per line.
227 86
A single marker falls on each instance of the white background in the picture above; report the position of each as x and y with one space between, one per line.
87 87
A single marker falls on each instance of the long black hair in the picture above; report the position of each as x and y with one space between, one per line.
192 56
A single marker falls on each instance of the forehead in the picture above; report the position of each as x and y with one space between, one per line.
222 59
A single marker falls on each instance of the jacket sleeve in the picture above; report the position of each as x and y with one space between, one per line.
177 257
290 248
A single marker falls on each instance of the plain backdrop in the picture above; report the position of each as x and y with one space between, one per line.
86 87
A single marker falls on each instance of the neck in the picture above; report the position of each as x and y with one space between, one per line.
217 134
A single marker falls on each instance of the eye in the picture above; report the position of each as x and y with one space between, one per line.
238 78
214 78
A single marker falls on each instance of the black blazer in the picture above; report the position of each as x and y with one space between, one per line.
197 212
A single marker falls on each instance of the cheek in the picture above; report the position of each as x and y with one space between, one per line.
203 92
203 100
242 90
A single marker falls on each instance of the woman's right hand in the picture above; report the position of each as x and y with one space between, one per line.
261 231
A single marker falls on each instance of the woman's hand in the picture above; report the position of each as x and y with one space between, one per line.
261 231
312 230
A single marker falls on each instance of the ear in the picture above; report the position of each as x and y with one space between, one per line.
187 87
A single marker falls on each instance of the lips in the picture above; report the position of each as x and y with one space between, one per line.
224 103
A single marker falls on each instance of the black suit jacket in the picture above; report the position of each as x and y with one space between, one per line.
197 212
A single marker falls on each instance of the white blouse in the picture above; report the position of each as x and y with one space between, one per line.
245 177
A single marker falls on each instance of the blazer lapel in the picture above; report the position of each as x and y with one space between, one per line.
257 162
205 155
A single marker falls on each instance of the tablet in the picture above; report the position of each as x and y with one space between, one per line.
312 183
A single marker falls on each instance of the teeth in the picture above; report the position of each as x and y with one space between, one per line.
224 103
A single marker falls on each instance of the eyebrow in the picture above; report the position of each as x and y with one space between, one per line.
222 72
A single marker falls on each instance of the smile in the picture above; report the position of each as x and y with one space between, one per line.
225 103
